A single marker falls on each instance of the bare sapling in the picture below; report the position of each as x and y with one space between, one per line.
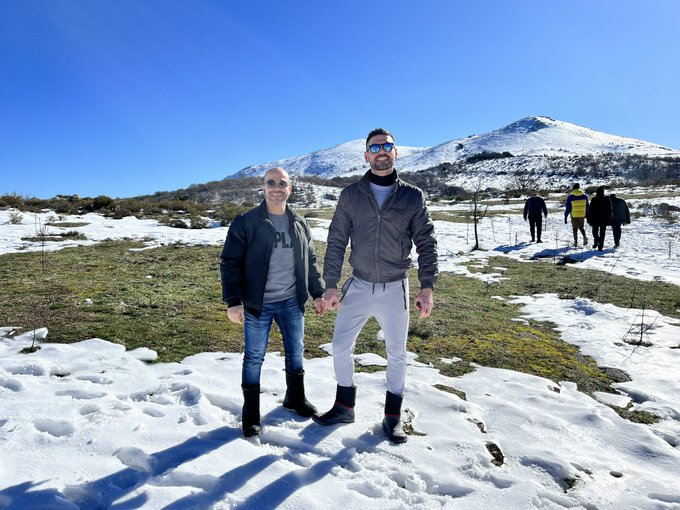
477 210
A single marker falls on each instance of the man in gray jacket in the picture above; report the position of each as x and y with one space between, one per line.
382 217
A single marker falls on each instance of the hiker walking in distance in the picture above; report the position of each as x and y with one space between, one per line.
577 206
535 209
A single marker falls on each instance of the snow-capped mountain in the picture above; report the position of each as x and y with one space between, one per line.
528 137
344 159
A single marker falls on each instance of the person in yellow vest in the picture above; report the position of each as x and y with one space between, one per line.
577 206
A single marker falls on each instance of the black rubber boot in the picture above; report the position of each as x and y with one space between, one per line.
295 399
392 421
343 409
251 410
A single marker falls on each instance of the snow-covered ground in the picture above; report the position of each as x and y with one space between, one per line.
89 425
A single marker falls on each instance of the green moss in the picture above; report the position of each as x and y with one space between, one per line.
636 416
449 389
169 299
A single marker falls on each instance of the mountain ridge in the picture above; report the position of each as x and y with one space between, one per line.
527 137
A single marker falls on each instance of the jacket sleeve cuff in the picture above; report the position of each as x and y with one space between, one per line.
231 302
331 284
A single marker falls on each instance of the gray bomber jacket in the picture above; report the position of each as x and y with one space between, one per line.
381 240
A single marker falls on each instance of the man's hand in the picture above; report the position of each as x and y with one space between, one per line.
332 299
565 220
235 314
423 302
320 306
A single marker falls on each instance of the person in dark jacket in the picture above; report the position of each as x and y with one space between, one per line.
599 216
535 209
620 216
269 269
382 217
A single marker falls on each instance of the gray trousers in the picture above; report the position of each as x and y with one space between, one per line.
389 304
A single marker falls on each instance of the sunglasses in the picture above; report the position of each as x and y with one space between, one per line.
375 147
271 183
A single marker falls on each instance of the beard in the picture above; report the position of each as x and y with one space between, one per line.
382 165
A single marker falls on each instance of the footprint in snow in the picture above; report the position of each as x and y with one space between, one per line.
135 459
56 428
31 369
180 373
84 498
89 409
155 413
187 394
80 394
11 385
194 416
96 379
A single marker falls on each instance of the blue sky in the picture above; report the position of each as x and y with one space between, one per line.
129 97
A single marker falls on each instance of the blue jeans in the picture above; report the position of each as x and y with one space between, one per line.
290 320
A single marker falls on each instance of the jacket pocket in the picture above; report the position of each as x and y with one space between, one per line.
345 287
406 245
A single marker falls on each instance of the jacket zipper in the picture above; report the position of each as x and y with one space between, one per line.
376 251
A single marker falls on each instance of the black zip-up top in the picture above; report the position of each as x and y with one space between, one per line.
381 240
244 263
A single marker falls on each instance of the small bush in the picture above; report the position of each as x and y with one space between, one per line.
11 200
102 202
15 217
177 223
198 222
120 213
73 235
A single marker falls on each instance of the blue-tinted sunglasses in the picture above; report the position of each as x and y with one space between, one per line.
375 147
271 183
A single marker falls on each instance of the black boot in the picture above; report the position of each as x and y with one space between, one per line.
343 409
295 395
392 421
251 410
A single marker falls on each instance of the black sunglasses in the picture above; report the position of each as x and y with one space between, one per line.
271 183
375 147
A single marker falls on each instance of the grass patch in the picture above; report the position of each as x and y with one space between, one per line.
67 224
543 276
449 389
323 214
71 235
468 324
636 416
169 299
461 216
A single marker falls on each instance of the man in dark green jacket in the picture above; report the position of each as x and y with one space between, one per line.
269 269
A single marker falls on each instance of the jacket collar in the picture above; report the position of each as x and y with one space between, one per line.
264 214
365 181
